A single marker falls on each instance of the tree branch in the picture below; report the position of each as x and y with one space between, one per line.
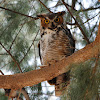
15 38
70 23
29 47
35 18
1 72
11 57
45 6
91 8
30 78
91 18
77 23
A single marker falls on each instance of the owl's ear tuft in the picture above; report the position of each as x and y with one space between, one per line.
40 16
61 13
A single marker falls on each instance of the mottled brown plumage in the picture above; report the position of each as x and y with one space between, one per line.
56 43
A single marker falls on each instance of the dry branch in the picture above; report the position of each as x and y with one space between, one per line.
15 38
45 6
11 57
30 78
91 8
35 18
29 47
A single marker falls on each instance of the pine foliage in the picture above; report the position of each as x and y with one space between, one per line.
85 81
19 37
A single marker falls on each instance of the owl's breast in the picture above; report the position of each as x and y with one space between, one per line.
54 46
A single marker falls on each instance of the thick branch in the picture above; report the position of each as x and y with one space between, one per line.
36 76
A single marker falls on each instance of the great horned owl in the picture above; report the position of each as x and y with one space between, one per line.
56 43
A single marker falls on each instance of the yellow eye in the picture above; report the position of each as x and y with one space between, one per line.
57 20
46 21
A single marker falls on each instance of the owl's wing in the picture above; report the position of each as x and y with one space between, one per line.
39 52
65 77
72 41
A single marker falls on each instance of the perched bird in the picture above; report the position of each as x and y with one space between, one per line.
56 43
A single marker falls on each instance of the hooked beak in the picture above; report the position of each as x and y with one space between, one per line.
52 26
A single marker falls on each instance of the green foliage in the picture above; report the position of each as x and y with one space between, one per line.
17 33
2 97
84 84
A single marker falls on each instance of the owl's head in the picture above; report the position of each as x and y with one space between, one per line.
51 20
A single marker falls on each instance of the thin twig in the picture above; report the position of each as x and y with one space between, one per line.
29 48
90 18
15 38
78 11
73 4
93 29
11 57
85 21
3 54
90 9
70 23
2 2
62 4
77 23
6 28
1 72
45 6
35 18
5 65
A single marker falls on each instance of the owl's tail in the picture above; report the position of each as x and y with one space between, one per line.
62 82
